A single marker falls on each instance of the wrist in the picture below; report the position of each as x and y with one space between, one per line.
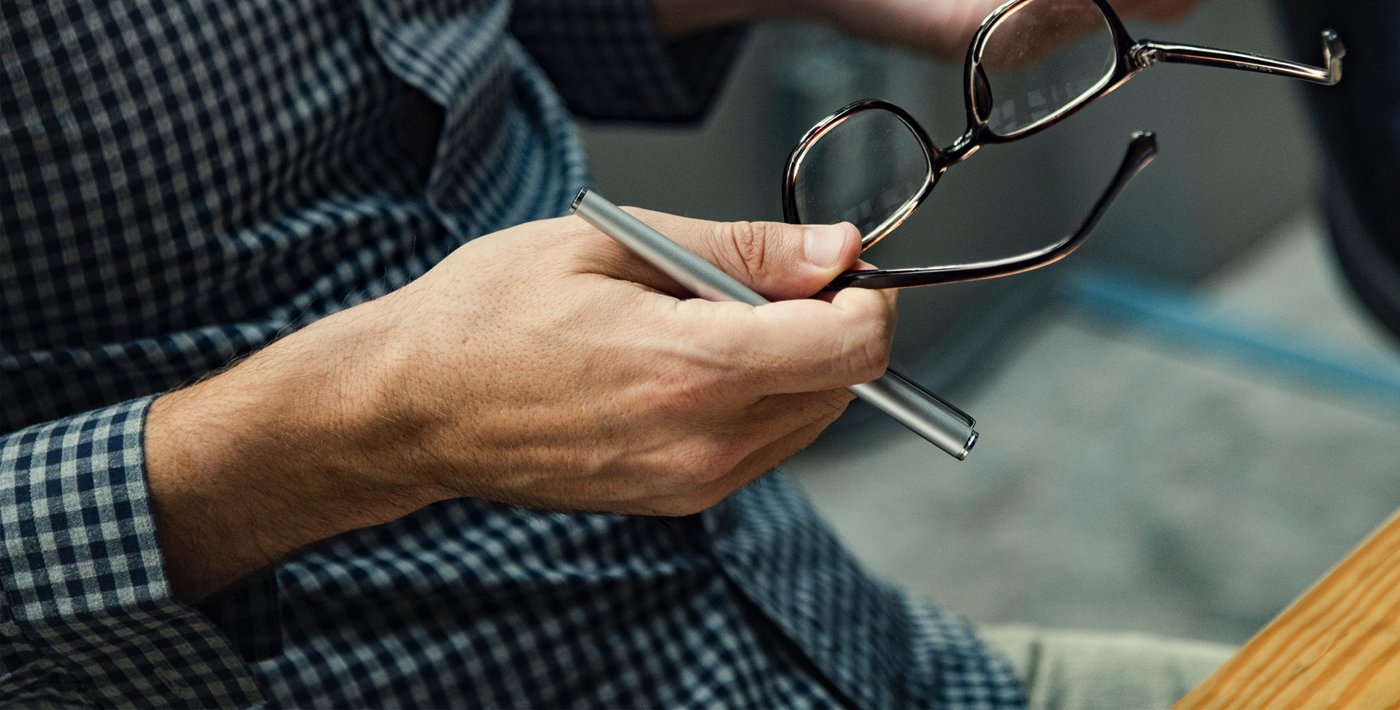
271 455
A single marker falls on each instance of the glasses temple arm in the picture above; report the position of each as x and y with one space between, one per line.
1149 52
1141 151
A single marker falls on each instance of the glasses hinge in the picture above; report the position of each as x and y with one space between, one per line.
1145 55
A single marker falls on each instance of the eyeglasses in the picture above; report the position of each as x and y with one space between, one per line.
1032 64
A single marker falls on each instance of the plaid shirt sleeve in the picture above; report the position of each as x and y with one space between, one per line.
87 614
608 60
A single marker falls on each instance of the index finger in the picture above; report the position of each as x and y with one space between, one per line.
791 346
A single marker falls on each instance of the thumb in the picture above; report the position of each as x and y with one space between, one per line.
780 261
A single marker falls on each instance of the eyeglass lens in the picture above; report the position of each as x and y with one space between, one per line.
867 171
1043 59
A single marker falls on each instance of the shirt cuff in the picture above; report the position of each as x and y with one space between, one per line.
85 589
608 60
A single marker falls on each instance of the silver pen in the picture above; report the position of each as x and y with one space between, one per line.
942 424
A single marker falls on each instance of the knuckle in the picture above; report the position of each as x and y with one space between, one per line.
831 403
869 353
821 408
743 246
882 328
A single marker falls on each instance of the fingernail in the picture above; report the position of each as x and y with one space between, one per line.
824 244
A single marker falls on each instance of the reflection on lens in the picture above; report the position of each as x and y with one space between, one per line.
1043 59
867 171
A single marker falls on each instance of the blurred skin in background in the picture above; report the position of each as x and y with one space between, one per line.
940 28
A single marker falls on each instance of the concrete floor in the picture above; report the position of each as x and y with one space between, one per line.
1143 473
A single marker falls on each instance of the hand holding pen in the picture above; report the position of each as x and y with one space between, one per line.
547 366
923 412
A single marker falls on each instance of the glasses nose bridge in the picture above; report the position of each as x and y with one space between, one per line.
965 147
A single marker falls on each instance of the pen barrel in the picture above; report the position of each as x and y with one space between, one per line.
923 412
698 276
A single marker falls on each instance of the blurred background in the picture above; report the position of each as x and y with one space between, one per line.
1183 425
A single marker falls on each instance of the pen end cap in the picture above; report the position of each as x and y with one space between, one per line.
967 449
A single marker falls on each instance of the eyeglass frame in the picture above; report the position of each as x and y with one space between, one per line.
1132 58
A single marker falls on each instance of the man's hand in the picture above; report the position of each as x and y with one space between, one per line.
940 28
544 366
547 366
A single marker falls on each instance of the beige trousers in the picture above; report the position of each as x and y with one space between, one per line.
1083 670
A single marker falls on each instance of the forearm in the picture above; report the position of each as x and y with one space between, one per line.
268 456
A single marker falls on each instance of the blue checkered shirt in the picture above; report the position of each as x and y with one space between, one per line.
182 182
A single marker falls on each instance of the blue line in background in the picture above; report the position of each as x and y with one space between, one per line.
1187 319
